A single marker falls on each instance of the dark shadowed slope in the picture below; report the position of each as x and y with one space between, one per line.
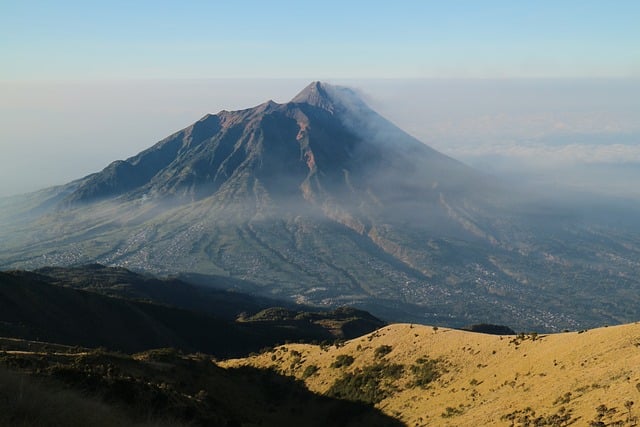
212 297
216 297
32 309
162 388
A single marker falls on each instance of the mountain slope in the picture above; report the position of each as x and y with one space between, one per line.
436 376
32 308
217 298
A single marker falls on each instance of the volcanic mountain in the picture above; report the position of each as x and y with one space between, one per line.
324 153
323 161
323 201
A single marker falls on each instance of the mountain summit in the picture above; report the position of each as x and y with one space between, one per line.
315 94
334 99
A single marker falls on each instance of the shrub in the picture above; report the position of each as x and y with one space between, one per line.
382 351
343 360
425 371
366 385
309 371
528 417
451 412
161 354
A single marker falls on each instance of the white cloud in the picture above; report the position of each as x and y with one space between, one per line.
542 154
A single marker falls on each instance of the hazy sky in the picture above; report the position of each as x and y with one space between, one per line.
318 39
84 83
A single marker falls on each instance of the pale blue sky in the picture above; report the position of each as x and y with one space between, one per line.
86 40
83 83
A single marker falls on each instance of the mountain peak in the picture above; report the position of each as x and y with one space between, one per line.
317 94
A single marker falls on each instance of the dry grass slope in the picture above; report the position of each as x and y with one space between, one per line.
443 377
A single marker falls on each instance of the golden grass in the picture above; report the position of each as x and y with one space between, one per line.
489 380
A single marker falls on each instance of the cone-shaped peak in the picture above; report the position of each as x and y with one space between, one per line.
316 94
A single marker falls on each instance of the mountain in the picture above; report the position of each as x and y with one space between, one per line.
143 313
429 376
322 201
325 147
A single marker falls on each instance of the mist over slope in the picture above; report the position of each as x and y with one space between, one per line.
323 201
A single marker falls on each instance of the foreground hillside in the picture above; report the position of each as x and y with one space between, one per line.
48 385
399 375
435 376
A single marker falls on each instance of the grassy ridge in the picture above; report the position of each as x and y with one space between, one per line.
427 376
